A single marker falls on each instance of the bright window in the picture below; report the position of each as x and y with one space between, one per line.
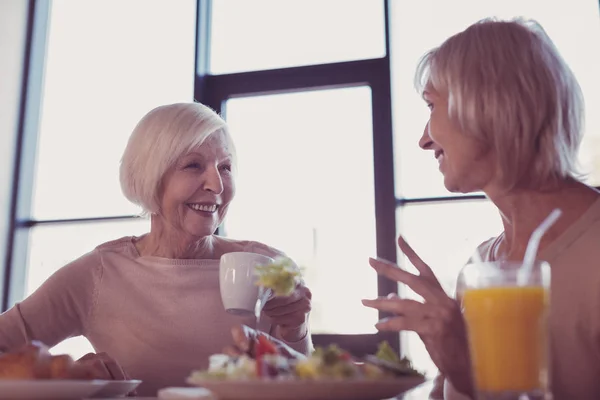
108 62
266 34
305 186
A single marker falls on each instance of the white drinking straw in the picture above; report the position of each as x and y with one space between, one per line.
534 243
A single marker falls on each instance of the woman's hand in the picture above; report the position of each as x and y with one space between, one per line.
289 313
100 366
245 341
438 320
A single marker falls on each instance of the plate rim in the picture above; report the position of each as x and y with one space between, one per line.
121 380
31 388
256 389
328 381
79 382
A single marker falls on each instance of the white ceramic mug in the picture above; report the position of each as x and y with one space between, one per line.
237 281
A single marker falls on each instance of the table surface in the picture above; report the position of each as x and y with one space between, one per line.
421 392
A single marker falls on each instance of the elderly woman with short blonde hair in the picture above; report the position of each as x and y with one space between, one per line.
151 305
507 119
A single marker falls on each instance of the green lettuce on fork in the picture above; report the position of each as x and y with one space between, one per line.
281 276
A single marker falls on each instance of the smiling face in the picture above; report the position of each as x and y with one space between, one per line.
466 163
197 190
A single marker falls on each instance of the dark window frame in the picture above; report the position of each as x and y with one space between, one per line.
215 90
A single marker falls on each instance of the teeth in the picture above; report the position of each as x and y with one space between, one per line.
202 207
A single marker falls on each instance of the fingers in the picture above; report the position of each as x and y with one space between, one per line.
404 307
421 286
232 351
101 366
242 338
300 292
290 321
290 311
87 357
301 306
114 369
424 326
92 368
414 258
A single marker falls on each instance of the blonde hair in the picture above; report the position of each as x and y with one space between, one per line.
507 85
161 137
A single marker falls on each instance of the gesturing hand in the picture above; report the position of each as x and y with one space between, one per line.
437 320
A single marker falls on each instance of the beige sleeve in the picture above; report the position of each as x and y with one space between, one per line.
60 308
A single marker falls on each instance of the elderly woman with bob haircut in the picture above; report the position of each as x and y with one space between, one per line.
507 119
153 302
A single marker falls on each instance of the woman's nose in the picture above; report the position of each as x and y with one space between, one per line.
213 182
425 142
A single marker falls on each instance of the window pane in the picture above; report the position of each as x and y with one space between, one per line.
53 246
107 65
267 34
305 186
574 26
445 235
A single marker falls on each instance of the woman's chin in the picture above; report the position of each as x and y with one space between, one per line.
451 185
455 186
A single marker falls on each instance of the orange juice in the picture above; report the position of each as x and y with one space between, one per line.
507 337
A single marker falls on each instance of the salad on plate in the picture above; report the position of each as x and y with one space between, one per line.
268 363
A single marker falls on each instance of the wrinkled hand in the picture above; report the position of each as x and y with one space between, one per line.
245 339
290 313
438 320
101 366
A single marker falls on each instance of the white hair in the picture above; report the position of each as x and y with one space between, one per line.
507 85
161 137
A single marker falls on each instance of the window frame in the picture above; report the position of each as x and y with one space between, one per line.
14 270
215 90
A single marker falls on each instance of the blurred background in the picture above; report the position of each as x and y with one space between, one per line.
319 97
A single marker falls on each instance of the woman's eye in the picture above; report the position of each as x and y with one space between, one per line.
226 167
193 165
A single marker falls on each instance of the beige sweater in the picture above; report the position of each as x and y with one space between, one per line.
574 258
159 318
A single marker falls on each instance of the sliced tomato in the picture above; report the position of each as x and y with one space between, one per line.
265 346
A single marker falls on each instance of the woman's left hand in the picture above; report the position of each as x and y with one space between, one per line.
290 313
438 320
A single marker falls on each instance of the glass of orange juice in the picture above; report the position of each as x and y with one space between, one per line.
505 306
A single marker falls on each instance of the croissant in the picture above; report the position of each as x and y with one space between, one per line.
29 362
34 361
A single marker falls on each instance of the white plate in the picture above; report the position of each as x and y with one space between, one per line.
46 389
349 389
116 388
